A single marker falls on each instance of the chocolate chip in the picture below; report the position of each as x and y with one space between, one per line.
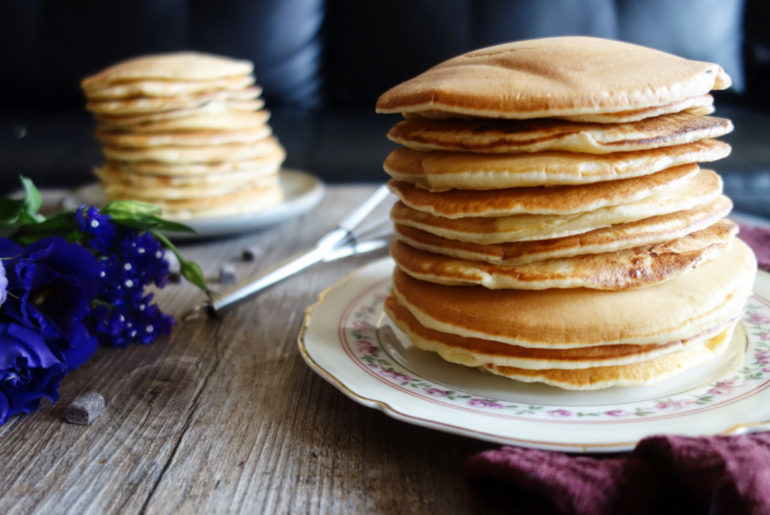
250 254
85 408
227 274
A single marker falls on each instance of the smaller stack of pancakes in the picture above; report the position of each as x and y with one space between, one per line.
187 132
553 223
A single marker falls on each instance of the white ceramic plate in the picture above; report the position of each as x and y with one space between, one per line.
302 192
349 341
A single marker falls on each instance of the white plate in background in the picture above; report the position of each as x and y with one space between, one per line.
302 192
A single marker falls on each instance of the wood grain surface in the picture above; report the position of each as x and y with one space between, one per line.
224 416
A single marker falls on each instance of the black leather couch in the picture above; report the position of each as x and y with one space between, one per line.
322 64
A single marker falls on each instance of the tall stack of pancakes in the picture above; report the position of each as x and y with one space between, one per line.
553 223
185 131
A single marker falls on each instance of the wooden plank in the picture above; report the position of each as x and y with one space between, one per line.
224 416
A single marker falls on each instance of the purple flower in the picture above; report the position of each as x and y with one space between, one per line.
3 284
560 413
438 392
618 413
29 370
98 229
131 261
51 284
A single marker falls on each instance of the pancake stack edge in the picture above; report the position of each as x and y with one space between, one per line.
187 132
554 224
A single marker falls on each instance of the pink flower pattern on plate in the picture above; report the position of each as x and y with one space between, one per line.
367 347
723 387
757 318
484 403
674 404
362 325
618 413
395 375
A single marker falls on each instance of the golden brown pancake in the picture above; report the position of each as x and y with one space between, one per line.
475 352
642 373
157 168
701 105
564 318
554 77
144 105
168 88
618 270
243 200
516 136
114 172
217 106
543 199
183 138
703 189
438 171
179 66
647 231
214 121
150 188
200 154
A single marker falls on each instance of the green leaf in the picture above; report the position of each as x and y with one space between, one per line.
10 209
189 269
32 198
150 222
130 207
141 215
59 224
19 212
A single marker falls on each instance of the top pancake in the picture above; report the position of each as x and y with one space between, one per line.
515 136
179 66
700 105
554 77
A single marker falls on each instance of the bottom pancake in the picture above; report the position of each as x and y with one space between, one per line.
239 201
474 352
585 368
636 374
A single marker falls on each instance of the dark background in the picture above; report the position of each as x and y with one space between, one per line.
322 64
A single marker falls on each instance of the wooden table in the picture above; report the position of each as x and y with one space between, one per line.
224 415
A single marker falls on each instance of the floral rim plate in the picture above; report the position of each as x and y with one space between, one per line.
349 341
302 192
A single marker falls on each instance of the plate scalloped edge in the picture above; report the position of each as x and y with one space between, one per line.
506 437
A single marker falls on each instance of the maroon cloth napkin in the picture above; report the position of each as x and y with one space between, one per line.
758 238
663 474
